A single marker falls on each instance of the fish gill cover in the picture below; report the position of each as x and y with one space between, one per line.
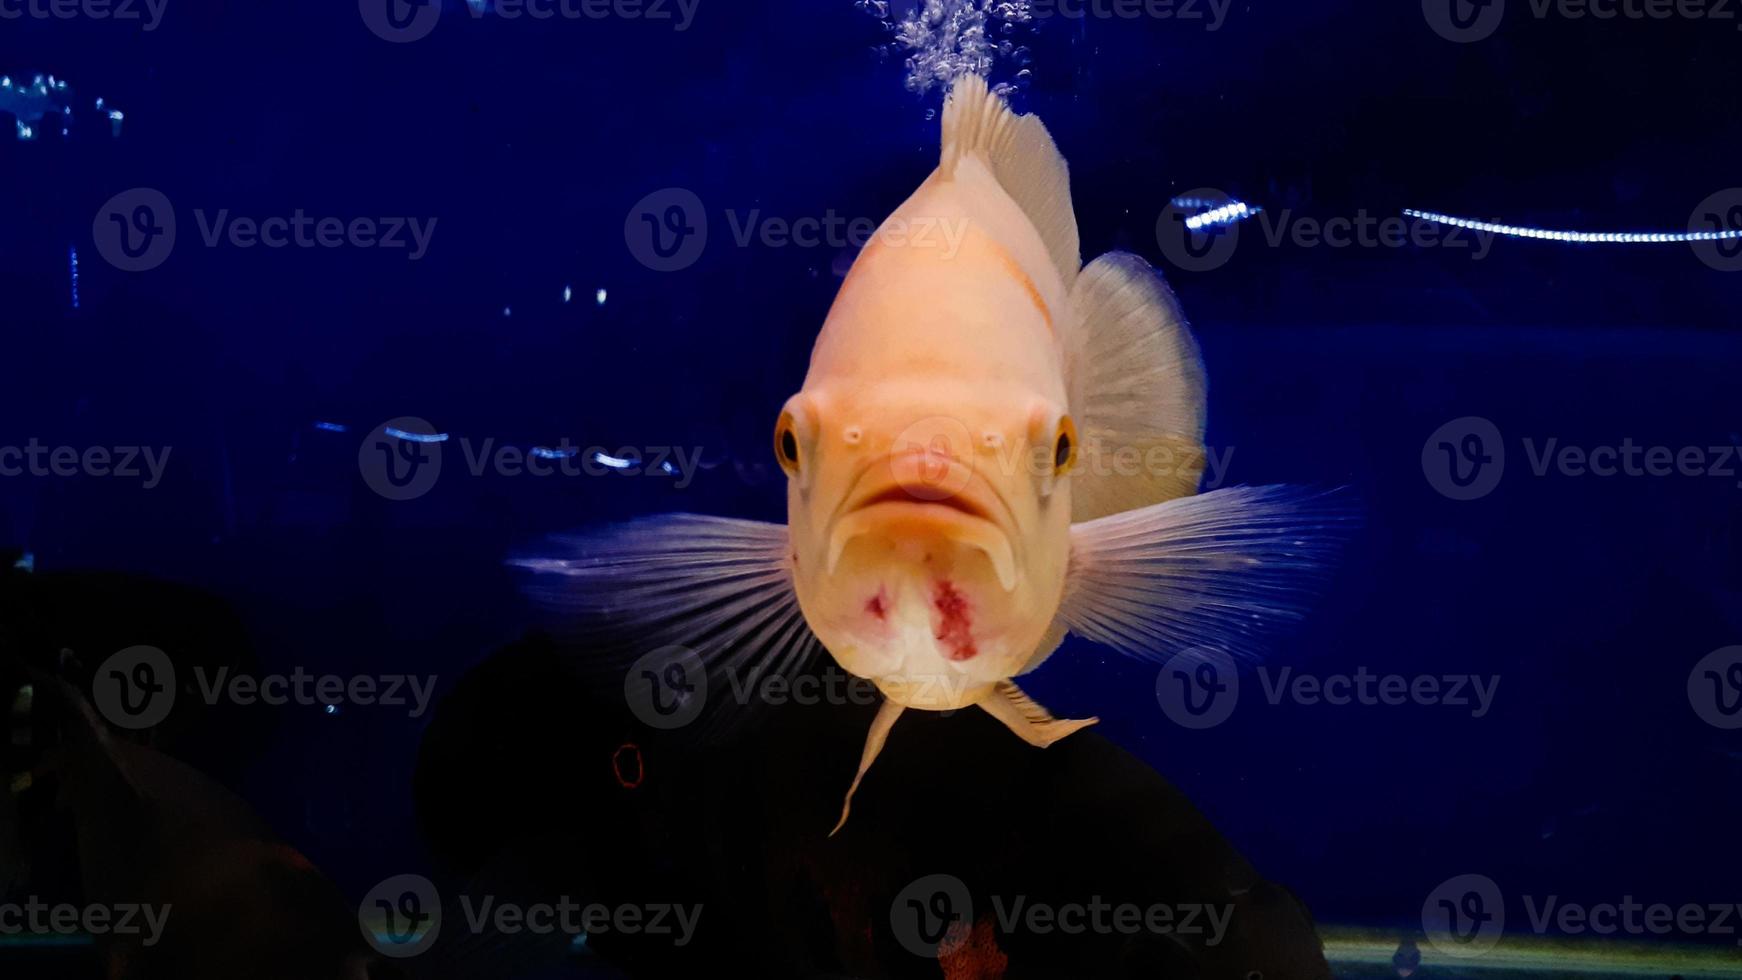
943 40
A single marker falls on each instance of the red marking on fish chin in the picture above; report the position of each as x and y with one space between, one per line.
955 629
878 606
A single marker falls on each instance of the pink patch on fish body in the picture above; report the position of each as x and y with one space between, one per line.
955 627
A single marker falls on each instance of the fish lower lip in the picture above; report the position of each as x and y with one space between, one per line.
967 528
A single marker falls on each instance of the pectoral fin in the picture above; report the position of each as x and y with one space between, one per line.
874 740
1223 569
718 588
1137 390
1031 722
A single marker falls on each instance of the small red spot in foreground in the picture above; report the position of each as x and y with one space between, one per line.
628 755
972 954
877 607
955 630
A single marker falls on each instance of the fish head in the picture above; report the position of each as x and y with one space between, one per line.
930 527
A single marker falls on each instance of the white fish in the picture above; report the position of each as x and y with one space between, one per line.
994 446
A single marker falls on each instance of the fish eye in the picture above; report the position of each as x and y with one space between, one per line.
1064 451
786 443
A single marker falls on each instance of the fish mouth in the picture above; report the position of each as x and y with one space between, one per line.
921 494
902 495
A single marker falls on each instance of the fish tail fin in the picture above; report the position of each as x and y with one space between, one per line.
1023 159
1137 390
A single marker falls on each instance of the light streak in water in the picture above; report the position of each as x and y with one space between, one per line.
332 427
1582 237
1226 214
73 272
398 433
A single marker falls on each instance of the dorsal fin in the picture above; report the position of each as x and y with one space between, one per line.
1137 391
1023 159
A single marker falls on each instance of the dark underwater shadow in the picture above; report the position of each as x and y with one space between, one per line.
956 837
